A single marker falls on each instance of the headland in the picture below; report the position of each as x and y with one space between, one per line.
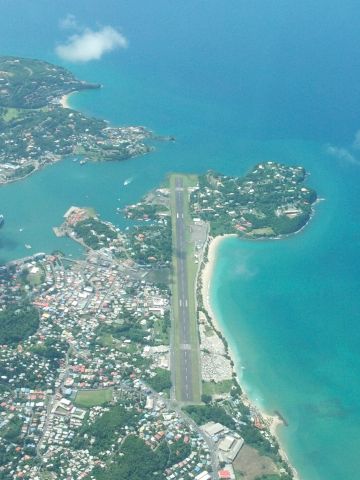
40 127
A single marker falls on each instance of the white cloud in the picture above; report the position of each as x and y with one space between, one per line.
342 154
69 22
91 44
349 154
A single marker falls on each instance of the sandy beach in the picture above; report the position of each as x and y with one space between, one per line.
65 101
273 421
207 272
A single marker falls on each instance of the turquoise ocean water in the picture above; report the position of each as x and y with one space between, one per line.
236 82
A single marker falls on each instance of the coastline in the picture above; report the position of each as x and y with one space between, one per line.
65 100
273 421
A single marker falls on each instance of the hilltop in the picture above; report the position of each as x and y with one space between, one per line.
30 83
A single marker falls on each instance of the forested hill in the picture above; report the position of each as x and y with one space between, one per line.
30 83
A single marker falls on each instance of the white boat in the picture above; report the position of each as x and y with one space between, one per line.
27 246
128 180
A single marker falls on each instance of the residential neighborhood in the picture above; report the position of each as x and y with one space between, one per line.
90 379
37 130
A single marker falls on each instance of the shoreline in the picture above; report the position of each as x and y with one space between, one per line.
65 100
273 421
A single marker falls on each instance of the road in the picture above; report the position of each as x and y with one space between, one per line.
184 356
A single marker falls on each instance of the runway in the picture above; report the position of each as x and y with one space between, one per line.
185 355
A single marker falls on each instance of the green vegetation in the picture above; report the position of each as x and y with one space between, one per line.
11 432
17 323
162 329
36 130
254 438
29 83
206 413
9 114
91 398
106 340
213 388
270 200
51 349
95 233
151 244
128 329
106 428
205 398
35 279
138 462
144 210
161 382
169 454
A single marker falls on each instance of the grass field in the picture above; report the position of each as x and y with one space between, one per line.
36 279
90 398
106 340
188 181
212 388
10 114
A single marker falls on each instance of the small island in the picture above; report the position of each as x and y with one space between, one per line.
36 129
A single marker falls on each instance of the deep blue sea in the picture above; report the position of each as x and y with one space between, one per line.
236 82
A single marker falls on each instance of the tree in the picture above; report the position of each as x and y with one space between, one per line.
206 398
17 323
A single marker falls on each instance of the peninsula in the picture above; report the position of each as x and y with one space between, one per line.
270 201
36 129
122 371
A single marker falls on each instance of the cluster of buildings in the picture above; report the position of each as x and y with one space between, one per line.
259 203
104 326
77 302
160 424
46 136
229 443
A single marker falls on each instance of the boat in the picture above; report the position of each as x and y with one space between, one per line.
128 180
2 220
82 162
27 246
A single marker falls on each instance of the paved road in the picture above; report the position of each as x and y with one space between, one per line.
185 355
